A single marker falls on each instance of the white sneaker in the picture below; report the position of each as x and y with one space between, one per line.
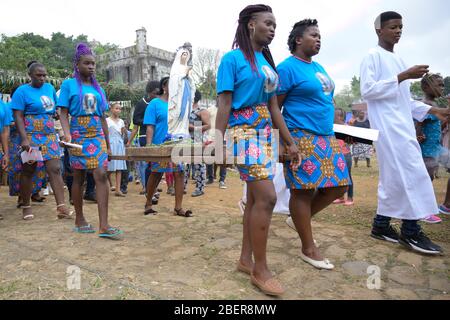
45 192
222 185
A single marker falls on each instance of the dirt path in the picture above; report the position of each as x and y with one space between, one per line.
169 257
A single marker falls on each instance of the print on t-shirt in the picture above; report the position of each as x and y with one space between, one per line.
89 103
327 84
271 82
47 103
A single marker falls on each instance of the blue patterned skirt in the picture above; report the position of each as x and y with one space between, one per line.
40 129
39 179
250 140
87 131
323 164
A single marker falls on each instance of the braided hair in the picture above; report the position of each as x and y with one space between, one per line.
242 37
298 30
81 50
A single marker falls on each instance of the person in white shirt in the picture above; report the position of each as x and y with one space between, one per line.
405 191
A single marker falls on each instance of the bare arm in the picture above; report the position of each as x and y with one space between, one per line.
106 133
133 135
4 139
279 123
150 132
64 119
205 117
223 114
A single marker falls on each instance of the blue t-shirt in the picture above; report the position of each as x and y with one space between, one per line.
309 96
249 88
5 118
35 101
156 115
93 104
431 128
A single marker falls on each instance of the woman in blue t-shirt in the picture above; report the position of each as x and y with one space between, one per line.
246 85
39 178
155 119
84 99
306 95
34 107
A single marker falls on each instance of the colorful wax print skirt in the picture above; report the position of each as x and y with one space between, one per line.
40 129
251 142
323 164
39 179
165 166
87 131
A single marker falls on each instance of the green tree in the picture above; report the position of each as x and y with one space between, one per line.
416 90
356 87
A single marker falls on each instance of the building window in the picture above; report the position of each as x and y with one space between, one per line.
128 75
108 76
153 73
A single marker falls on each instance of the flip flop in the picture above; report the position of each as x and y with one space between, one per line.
84 229
29 216
114 235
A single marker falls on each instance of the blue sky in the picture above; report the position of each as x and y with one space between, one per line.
346 26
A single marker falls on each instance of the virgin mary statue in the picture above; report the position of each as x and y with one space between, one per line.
181 93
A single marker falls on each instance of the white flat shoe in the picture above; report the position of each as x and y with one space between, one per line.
324 264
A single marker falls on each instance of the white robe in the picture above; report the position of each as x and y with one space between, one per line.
405 190
181 97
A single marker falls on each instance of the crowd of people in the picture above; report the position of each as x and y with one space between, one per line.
255 96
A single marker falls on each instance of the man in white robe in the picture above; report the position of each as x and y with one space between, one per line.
405 190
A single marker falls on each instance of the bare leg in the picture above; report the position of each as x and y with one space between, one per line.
152 184
26 186
303 205
54 173
265 198
447 195
246 251
77 196
179 189
101 185
118 177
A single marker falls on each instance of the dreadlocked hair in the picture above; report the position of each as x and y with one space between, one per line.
298 30
242 37
83 49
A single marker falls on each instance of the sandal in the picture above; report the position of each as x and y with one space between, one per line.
150 211
67 214
37 198
112 233
29 216
84 229
182 213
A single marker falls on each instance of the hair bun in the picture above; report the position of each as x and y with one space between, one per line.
29 64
